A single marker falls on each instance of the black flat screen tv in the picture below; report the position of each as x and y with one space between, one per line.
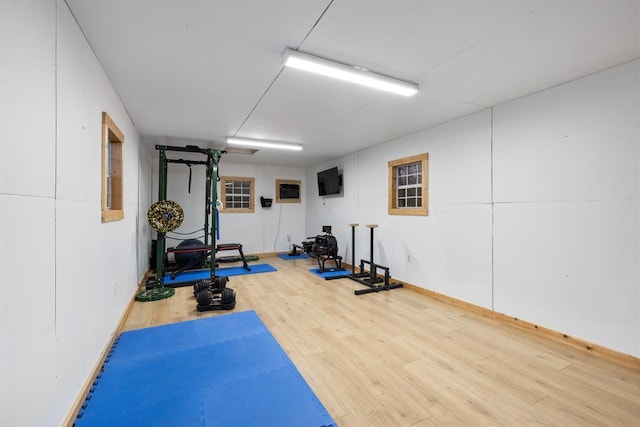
329 182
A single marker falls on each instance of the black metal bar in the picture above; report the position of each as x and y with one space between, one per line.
185 149
212 198
353 248
187 162
207 209
374 265
371 246
160 237
378 289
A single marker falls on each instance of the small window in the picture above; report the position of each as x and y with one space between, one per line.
408 186
237 194
112 171
287 191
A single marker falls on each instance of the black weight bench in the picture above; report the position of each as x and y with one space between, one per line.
294 250
207 248
234 247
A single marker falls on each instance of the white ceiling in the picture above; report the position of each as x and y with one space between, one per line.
196 71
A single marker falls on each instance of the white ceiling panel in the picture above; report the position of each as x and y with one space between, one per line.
361 129
195 70
406 38
562 41
300 104
192 68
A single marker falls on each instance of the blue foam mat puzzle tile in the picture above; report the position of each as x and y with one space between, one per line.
192 276
293 257
326 274
274 402
226 370
187 372
149 342
152 414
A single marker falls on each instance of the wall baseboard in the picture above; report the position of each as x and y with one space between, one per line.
595 349
556 336
86 387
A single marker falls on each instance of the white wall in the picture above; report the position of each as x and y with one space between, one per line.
566 216
534 209
448 251
265 230
67 277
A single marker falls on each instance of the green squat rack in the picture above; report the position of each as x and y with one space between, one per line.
166 215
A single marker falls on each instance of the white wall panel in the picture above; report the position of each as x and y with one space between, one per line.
84 92
87 299
459 159
450 254
572 267
27 98
577 141
566 186
27 310
80 103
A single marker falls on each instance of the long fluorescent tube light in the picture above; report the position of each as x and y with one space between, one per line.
259 143
350 73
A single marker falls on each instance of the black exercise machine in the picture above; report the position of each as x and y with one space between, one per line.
324 248
370 279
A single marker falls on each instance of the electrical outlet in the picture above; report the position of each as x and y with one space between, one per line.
409 258
288 238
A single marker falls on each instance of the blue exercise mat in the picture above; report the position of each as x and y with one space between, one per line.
328 273
289 257
192 276
225 370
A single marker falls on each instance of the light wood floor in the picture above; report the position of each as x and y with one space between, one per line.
399 358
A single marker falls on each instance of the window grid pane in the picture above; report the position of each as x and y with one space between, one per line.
409 185
237 194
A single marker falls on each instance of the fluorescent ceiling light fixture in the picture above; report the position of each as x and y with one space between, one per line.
350 73
259 143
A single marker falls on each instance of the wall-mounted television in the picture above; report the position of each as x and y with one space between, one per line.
329 182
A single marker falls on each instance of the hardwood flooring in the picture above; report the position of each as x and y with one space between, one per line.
400 358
